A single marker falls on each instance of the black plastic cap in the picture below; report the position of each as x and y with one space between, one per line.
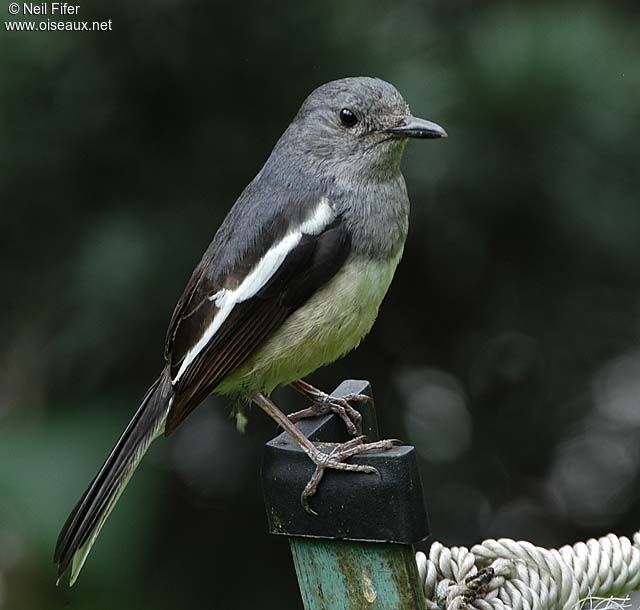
350 506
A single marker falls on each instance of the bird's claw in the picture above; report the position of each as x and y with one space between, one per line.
335 460
323 404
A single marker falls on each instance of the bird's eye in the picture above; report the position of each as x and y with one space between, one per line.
348 118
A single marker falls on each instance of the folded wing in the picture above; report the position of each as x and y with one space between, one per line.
223 317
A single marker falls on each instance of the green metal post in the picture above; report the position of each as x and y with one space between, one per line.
342 575
357 552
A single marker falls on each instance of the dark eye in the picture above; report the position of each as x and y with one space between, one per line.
348 118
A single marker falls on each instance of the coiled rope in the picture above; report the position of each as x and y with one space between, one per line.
508 575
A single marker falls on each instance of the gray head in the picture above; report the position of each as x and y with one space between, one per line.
360 122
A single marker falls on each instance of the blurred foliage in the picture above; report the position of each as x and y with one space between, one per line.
508 350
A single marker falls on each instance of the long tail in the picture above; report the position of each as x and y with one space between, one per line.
90 513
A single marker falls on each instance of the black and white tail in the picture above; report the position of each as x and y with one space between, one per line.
90 513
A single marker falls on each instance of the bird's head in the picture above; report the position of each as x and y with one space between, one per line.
361 123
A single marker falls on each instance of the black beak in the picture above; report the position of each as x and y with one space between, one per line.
413 127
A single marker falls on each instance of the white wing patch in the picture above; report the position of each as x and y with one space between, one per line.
264 270
322 216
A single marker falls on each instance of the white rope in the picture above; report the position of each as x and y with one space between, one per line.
508 575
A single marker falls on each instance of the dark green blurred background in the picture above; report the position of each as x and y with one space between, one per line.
508 350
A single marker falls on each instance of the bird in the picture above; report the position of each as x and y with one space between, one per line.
292 281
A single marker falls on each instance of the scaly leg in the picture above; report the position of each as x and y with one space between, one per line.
334 460
323 404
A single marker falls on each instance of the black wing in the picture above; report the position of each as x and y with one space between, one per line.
308 265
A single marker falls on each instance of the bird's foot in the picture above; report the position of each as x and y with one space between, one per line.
335 460
323 404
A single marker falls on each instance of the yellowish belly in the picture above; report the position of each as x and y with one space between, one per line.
330 324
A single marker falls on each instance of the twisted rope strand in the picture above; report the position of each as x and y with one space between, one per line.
509 575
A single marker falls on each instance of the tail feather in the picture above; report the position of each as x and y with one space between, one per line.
90 513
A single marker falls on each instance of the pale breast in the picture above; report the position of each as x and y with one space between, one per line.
330 324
